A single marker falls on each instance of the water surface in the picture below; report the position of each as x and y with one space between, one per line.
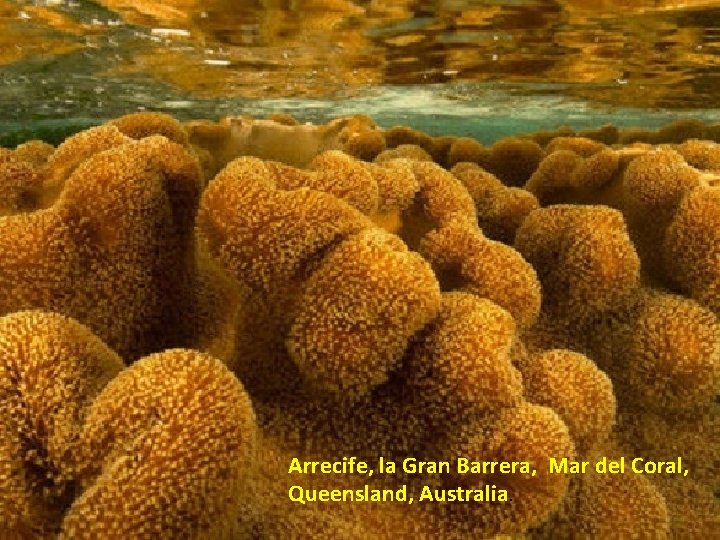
467 66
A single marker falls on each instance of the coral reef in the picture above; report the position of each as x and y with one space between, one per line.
187 308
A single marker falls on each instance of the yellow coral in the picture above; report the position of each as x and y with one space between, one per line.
607 134
365 145
672 355
681 130
35 152
703 155
524 433
144 124
464 358
20 183
396 183
440 199
581 146
403 135
654 184
341 334
611 506
346 178
266 236
465 149
73 151
513 160
574 174
464 259
407 151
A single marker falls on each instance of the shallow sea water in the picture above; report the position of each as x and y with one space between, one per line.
480 68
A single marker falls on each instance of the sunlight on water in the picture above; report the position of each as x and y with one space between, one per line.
94 60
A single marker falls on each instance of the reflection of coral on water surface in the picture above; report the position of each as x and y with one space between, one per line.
187 307
638 53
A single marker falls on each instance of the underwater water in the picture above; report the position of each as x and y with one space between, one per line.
480 68
360 269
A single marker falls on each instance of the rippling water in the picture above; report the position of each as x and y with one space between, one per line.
534 62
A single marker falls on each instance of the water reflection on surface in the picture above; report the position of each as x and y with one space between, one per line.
623 52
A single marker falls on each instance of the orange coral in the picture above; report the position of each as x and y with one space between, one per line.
365 145
72 152
403 135
20 182
500 209
440 199
465 149
583 257
346 178
178 409
524 433
464 259
513 160
84 437
396 183
51 369
341 334
572 385
610 506
359 309
662 352
581 146
303 223
121 264
574 173
144 124
654 185
607 134
319 250
464 359
692 246
409 151
703 155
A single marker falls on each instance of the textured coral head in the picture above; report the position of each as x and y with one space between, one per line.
464 357
583 256
359 309
168 447
573 386
673 358
265 236
526 433
51 369
692 246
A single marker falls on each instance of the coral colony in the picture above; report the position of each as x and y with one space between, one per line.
260 329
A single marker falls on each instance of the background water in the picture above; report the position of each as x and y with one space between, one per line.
483 68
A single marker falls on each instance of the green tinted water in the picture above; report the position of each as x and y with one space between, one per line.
483 68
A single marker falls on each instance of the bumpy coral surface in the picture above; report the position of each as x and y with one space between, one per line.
120 264
91 449
189 307
583 256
